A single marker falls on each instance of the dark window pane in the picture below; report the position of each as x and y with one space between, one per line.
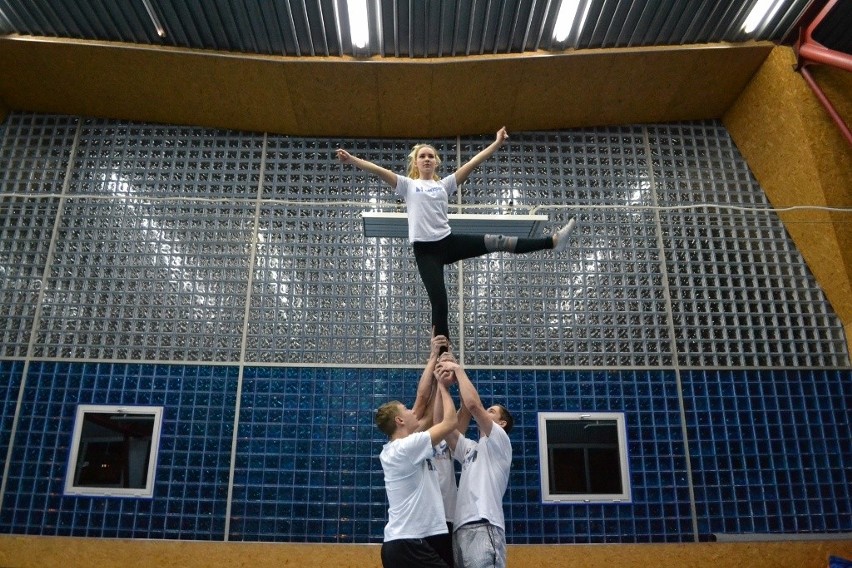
567 471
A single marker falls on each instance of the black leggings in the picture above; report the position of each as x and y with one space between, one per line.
432 256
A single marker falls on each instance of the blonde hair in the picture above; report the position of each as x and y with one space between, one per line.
413 172
386 415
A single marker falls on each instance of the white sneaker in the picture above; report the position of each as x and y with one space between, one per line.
562 236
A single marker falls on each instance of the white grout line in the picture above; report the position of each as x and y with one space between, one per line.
664 273
38 305
244 341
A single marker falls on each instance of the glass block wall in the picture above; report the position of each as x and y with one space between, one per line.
225 276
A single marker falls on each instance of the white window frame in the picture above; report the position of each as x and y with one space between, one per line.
154 450
547 497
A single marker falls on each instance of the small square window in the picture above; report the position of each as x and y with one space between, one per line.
583 457
114 451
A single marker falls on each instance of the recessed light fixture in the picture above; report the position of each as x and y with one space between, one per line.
359 26
762 11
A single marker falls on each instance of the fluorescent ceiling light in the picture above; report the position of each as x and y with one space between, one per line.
359 27
762 11
161 31
565 19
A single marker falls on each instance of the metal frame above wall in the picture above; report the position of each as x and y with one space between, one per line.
832 25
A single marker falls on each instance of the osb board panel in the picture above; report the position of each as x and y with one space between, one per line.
810 554
377 97
848 329
800 158
40 551
655 85
837 86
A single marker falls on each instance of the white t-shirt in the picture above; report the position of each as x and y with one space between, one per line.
484 477
443 457
415 509
427 202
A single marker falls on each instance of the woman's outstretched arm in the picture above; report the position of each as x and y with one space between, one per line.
467 168
386 176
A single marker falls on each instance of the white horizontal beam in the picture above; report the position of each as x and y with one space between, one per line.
392 225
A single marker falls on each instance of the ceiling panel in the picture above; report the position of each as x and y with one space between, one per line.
398 28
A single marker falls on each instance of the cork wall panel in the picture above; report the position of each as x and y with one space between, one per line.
374 97
31 552
407 103
800 158
144 84
837 86
335 93
704 82
585 89
478 95
729 555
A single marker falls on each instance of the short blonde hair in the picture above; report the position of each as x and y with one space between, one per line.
386 416
413 172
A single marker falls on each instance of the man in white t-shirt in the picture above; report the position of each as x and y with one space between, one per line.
479 537
443 457
416 519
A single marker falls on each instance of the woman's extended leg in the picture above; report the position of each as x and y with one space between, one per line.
460 247
432 256
516 245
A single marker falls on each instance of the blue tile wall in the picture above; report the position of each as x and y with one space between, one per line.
191 487
306 468
659 511
10 384
770 450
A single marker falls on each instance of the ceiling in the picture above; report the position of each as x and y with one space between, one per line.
431 67
398 28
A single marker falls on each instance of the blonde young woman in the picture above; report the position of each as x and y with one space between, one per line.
426 196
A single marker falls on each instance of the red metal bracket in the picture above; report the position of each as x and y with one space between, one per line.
810 52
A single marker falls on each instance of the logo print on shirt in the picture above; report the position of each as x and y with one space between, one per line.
470 458
430 189
441 452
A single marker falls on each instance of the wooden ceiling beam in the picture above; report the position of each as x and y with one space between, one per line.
347 97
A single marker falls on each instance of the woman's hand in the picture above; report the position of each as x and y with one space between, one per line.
502 136
344 156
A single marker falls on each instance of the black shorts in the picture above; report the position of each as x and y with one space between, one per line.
414 552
